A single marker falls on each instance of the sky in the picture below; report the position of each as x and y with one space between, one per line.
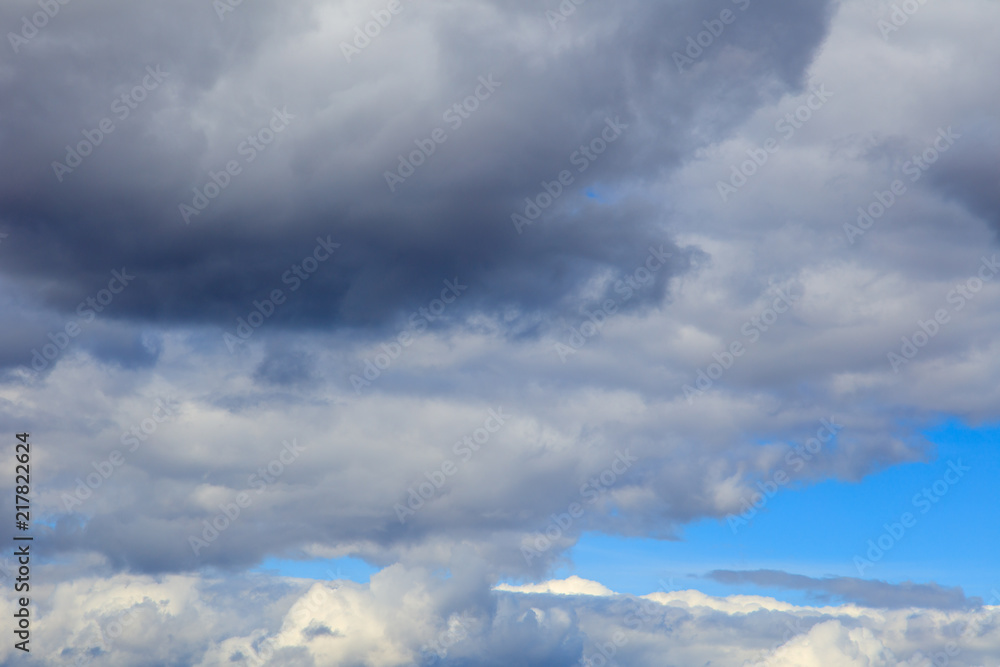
378 333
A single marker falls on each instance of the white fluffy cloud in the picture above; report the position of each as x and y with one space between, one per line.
407 617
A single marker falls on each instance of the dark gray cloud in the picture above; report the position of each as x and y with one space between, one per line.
286 367
323 176
972 176
865 592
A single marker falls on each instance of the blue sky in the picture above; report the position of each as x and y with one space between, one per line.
817 531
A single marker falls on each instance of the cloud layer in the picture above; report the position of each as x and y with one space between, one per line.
449 296
407 617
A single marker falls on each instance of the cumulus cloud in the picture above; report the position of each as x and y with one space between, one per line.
407 617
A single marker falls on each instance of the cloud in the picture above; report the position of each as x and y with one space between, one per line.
696 368
412 617
323 175
875 594
571 586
